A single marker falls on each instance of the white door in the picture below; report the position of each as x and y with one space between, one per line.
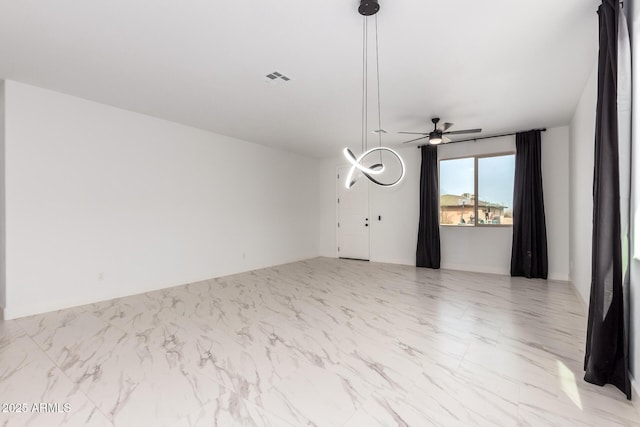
353 217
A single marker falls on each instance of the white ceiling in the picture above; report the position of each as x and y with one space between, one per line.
502 65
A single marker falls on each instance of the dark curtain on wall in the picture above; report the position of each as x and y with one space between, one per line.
605 359
529 245
428 252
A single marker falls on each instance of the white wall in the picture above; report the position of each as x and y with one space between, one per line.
555 173
102 202
327 198
393 238
581 146
463 248
2 216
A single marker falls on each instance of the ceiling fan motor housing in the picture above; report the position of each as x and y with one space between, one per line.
368 7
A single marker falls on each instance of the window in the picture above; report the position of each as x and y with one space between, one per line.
477 190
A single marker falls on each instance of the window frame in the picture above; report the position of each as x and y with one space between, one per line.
475 158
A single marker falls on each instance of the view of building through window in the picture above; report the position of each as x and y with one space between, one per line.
457 188
493 202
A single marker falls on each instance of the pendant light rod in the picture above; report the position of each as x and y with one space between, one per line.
378 86
364 85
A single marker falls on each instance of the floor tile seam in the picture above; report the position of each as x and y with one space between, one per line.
25 334
42 348
520 418
243 400
76 386
113 325
589 411
19 320
268 412
219 364
479 368
468 343
579 383
540 335
604 413
24 331
566 360
357 406
132 330
352 416
225 387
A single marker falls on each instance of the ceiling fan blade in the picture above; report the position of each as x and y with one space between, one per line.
443 127
417 139
415 133
445 139
457 132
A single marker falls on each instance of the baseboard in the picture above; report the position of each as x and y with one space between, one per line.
474 269
555 277
410 263
583 303
10 313
328 255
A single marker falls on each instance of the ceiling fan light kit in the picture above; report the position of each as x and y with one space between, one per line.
369 8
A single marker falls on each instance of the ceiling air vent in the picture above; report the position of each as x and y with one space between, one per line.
277 77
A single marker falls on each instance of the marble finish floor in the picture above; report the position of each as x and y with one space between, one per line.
322 342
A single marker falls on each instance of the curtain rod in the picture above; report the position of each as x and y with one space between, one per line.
487 137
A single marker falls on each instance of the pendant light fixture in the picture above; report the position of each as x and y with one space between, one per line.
358 168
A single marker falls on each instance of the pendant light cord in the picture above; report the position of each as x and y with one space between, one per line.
364 84
378 83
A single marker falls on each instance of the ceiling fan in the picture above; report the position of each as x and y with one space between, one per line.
437 135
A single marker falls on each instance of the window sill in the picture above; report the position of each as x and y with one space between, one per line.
476 226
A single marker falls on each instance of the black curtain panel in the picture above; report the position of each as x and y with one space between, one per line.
529 245
428 252
605 359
